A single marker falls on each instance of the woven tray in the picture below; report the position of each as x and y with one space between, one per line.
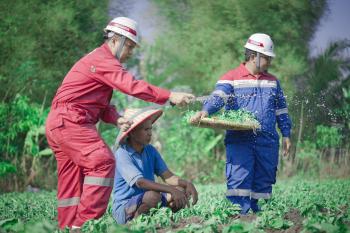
224 124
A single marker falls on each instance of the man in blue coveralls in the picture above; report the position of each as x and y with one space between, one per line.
252 157
135 191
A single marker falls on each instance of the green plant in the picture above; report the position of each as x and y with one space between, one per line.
296 205
23 141
60 33
239 116
6 168
327 137
306 150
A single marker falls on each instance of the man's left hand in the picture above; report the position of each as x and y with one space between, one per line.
286 146
191 191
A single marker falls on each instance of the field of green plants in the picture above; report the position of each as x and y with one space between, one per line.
190 54
296 206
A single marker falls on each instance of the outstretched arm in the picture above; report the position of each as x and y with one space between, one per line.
216 100
115 76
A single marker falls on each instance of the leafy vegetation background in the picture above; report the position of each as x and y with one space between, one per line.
296 206
40 40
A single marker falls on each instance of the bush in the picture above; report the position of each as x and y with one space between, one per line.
23 142
327 137
196 153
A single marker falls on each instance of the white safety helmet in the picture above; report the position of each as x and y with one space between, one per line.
125 27
260 43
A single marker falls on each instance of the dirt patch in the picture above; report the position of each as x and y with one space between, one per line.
181 224
344 210
247 218
294 216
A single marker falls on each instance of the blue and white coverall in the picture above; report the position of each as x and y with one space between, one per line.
251 157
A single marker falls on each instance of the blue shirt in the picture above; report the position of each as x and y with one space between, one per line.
131 166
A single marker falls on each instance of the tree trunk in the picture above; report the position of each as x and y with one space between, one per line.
300 131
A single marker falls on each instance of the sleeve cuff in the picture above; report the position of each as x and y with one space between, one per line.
134 179
286 134
110 115
161 171
163 96
213 104
209 109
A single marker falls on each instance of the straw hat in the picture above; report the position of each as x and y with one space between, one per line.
138 116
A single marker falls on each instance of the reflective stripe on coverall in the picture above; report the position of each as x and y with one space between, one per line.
252 157
85 164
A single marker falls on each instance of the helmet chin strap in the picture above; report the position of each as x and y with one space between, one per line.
120 47
257 63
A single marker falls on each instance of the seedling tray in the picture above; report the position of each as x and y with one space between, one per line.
224 124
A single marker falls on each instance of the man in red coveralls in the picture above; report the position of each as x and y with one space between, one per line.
85 164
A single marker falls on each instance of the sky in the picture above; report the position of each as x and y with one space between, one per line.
334 25
144 12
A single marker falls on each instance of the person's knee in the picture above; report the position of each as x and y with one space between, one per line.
168 195
170 201
151 198
180 188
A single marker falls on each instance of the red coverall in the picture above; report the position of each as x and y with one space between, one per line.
85 164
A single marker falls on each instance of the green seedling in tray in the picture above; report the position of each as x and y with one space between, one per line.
239 117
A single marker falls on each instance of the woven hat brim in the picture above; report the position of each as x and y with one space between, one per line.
155 114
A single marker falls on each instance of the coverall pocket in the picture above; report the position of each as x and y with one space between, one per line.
55 130
92 147
96 155
80 116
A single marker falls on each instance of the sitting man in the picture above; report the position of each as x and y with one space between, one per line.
135 191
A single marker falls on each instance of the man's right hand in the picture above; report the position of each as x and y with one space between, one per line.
198 116
181 98
179 198
124 124
286 145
